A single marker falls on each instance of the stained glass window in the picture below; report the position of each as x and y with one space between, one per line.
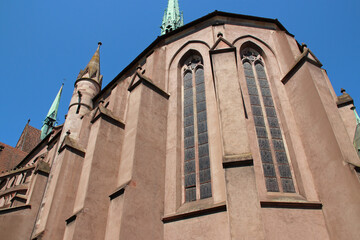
276 168
197 177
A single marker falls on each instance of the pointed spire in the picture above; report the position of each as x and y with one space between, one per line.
92 70
50 119
172 19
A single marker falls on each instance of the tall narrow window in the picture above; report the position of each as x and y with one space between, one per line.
278 177
197 177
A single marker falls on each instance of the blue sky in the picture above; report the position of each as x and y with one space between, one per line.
44 42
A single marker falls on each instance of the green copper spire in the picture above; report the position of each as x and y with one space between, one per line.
50 119
356 116
172 19
357 133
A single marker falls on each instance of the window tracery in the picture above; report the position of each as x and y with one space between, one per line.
197 177
274 159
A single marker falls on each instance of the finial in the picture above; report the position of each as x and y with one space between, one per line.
303 46
99 43
28 121
220 34
68 132
139 68
342 91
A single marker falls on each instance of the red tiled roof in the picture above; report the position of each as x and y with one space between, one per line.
30 137
9 157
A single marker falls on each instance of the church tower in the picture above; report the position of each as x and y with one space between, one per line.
87 85
173 18
225 128
50 119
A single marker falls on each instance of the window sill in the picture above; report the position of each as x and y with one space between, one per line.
195 209
294 201
291 204
288 200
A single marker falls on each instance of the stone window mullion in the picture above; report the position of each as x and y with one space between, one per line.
189 139
201 113
196 139
267 127
197 176
276 168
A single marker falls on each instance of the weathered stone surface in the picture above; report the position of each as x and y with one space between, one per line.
227 130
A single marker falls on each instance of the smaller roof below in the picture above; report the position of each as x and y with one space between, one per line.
29 138
10 157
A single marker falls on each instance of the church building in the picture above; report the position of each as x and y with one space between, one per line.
223 128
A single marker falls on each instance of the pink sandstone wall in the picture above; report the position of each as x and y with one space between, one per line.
119 173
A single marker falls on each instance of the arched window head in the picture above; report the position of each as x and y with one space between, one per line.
250 54
196 174
276 167
192 62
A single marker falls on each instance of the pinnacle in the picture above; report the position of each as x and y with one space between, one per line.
92 69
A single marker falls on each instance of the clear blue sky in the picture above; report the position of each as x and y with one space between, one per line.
44 42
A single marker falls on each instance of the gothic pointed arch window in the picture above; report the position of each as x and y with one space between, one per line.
275 163
196 174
